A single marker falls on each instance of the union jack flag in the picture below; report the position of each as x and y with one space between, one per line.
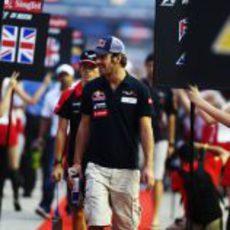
8 43
52 52
26 48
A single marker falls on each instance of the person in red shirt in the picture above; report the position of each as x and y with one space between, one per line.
68 110
9 163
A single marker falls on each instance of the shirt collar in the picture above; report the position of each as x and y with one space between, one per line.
126 80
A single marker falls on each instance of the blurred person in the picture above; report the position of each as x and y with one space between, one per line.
9 138
202 121
205 198
31 128
208 130
163 123
116 112
47 134
5 102
68 110
217 115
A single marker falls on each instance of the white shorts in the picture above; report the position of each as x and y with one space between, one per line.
160 155
112 191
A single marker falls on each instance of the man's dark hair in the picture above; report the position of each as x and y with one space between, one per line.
123 58
149 58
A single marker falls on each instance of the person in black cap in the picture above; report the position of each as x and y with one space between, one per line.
116 112
68 110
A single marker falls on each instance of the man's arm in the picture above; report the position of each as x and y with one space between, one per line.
60 138
58 170
82 139
172 133
146 134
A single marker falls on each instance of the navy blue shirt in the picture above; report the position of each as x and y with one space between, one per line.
115 116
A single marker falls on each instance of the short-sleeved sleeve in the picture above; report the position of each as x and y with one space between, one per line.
63 107
86 106
145 104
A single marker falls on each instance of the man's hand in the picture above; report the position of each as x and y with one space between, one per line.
74 170
147 176
58 173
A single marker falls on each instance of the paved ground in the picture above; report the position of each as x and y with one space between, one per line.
28 220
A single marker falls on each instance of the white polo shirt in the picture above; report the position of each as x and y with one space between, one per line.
50 102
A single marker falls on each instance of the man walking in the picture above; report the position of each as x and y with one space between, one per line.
116 112
68 110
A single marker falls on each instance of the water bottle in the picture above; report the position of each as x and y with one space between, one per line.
76 185
75 190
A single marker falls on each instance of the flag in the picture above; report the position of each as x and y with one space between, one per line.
27 45
8 43
52 52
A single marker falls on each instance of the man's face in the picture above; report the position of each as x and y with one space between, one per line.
65 79
105 64
88 71
149 67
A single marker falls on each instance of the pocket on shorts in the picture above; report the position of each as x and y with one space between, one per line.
90 195
90 169
136 213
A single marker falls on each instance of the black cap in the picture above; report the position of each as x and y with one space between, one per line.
88 56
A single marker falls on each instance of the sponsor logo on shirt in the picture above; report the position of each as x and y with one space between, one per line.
129 93
129 100
101 113
77 103
98 96
76 107
99 105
